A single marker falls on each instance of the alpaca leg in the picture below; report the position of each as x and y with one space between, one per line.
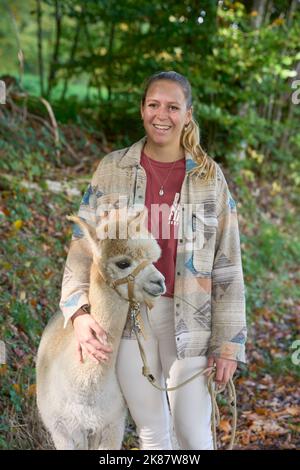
65 440
62 438
112 436
94 440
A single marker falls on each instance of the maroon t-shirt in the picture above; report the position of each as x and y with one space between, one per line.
162 214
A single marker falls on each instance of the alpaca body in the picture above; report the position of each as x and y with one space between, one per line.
70 394
81 403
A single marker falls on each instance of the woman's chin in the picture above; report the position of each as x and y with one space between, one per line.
159 139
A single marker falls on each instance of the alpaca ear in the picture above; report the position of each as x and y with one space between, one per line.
89 233
110 222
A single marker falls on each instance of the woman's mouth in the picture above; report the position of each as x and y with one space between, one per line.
161 129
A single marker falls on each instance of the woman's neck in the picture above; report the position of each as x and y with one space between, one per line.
163 154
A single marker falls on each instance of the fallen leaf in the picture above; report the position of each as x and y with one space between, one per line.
18 224
31 391
262 411
3 369
225 425
17 388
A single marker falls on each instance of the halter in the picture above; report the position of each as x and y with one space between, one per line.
134 305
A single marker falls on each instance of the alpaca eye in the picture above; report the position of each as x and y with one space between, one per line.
123 264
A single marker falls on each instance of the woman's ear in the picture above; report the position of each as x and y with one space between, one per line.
189 115
142 111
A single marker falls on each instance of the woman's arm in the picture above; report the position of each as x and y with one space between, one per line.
76 276
76 281
229 330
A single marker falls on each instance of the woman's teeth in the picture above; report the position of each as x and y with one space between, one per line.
162 128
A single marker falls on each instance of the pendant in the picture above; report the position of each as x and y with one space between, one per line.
161 191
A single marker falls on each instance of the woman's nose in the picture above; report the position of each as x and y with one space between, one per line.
162 113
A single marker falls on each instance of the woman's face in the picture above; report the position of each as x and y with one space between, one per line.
164 112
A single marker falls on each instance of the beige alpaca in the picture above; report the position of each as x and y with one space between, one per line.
81 404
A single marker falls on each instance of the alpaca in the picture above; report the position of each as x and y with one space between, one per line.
81 404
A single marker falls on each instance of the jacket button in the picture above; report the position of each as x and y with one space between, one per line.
178 273
177 305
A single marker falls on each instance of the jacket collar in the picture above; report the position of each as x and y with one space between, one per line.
132 156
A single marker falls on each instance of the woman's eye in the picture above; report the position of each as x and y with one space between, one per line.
171 107
123 264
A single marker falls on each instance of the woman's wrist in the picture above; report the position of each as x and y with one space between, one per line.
83 310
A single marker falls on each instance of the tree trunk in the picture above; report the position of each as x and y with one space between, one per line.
281 102
91 51
110 59
54 61
71 58
40 45
260 7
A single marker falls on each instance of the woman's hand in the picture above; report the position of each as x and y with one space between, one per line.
225 369
91 338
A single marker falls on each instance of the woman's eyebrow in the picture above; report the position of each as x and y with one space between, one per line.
169 102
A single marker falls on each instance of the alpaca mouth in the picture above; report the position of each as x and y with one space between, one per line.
154 294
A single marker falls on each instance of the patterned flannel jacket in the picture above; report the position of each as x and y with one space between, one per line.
209 292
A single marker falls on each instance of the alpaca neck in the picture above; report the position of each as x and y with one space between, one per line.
108 308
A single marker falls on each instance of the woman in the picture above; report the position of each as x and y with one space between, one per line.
200 320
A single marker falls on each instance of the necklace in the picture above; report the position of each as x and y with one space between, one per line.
161 191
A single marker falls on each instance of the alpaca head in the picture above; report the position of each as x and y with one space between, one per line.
119 244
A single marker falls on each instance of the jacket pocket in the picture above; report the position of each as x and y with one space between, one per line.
204 231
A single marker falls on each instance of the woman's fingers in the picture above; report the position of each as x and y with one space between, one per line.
100 333
93 353
86 329
93 348
227 375
220 372
225 371
101 336
210 361
95 343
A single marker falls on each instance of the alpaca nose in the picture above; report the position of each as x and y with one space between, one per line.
160 283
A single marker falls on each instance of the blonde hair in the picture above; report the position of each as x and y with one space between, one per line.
190 140
190 137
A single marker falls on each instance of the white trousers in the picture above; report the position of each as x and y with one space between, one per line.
190 405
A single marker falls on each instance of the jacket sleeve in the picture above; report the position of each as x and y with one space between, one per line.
76 276
229 330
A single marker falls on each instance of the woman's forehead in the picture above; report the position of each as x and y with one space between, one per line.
164 90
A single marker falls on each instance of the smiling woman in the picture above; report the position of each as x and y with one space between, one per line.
164 113
200 319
